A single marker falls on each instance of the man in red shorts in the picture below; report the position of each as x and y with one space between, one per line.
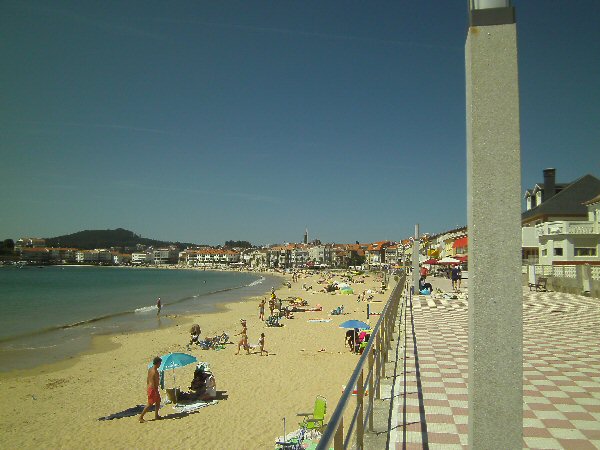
153 394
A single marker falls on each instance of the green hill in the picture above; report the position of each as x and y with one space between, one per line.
90 239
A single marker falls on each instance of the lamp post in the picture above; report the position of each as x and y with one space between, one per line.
415 260
494 224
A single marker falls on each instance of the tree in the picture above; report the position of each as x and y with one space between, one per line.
7 246
239 244
356 259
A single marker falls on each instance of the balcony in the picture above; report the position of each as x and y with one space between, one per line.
566 227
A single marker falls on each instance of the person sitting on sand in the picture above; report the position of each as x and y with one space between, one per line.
244 338
195 335
204 384
152 381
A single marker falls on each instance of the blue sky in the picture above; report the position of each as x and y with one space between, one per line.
210 121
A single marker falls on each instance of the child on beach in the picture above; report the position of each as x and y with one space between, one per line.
261 344
244 338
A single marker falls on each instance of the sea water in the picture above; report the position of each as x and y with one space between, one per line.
50 313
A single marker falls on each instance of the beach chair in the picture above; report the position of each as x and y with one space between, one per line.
172 395
318 415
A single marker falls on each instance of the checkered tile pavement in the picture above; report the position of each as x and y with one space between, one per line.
561 374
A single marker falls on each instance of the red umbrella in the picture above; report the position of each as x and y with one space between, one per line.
431 261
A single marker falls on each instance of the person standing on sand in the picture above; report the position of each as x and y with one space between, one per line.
272 305
261 309
244 338
152 388
158 306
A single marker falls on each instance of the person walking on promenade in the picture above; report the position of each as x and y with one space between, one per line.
261 309
455 274
243 339
152 381
459 276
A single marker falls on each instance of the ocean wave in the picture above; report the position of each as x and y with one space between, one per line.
16 348
256 282
145 309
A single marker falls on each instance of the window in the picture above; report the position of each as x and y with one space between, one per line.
558 251
585 251
544 252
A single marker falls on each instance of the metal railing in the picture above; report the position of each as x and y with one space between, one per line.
374 357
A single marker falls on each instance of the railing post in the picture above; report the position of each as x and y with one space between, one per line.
338 439
360 397
378 365
372 372
384 351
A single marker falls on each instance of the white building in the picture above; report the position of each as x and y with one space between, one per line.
164 256
559 224
140 258
571 241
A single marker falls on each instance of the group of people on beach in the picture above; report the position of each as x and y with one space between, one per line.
274 303
243 342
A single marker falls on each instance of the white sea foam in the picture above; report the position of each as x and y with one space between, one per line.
259 281
146 309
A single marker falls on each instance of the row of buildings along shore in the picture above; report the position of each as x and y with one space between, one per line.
560 226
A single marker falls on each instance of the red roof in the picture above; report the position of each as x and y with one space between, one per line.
460 242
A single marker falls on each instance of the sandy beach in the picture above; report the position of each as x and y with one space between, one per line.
58 406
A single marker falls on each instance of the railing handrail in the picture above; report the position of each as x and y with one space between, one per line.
338 413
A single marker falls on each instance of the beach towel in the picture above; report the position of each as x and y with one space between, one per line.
193 406
319 320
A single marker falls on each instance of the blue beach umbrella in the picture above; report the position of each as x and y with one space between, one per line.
354 324
174 361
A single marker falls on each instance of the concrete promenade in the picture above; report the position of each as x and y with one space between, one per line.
424 399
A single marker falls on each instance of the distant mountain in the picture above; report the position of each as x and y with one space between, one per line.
90 239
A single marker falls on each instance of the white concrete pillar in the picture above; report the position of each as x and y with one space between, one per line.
494 224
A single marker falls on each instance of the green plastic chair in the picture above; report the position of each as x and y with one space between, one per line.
318 416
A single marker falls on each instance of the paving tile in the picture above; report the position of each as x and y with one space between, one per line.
577 444
543 443
561 367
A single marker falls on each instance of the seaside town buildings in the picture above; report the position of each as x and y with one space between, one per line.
560 226
560 223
